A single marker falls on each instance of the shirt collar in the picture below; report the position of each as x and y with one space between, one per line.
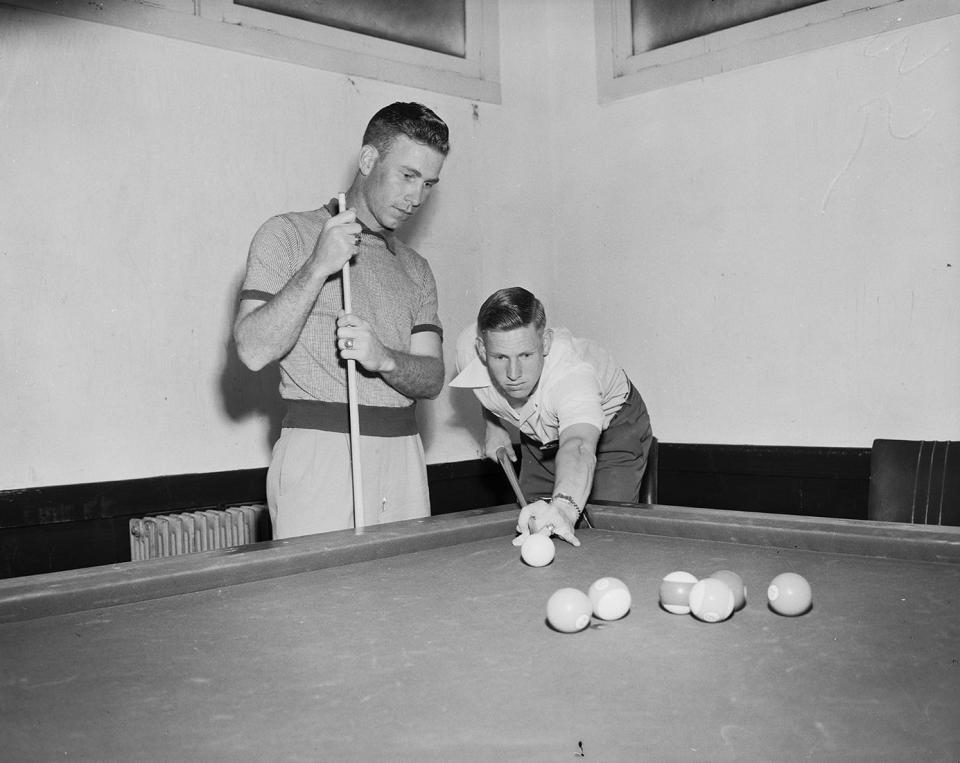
388 237
474 376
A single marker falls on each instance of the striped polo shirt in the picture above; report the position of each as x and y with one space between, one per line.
392 287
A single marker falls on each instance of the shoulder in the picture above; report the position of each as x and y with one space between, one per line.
563 351
467 346
408 255
565 370
293 226
415 264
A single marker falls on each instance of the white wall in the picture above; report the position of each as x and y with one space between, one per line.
771 252
775 252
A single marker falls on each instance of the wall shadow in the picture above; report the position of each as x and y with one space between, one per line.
246 393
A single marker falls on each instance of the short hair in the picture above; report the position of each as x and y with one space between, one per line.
511 308
414 120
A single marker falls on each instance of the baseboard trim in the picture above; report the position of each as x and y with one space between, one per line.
46 529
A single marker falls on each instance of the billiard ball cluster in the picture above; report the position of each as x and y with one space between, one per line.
712 599
715 598
569 610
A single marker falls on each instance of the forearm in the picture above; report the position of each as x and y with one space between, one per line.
268 332
265 332
415 376
576 462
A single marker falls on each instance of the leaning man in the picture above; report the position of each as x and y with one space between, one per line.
584 429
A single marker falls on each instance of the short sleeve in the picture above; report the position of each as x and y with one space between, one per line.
576 398
428 317
270 262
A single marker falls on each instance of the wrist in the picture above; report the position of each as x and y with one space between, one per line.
566 501
388 364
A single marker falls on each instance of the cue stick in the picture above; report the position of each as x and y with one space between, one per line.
352 399
511 473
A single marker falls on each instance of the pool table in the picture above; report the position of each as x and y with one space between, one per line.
427 640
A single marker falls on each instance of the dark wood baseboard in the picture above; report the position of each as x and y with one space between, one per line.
70 526
823 482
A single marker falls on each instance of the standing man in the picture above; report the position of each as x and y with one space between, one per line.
291 311
584 429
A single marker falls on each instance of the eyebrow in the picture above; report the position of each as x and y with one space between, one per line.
418 173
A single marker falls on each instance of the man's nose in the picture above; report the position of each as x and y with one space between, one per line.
414 196
513 370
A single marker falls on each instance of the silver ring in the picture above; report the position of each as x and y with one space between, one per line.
356 239
348 344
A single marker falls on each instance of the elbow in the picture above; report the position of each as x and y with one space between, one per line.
247 353
250 360
435 387
582 451
254 363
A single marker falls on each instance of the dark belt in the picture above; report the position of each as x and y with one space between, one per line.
375 420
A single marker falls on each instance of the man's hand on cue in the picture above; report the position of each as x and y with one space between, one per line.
545 517
357 340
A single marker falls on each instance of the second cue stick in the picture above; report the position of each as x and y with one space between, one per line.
511 473
508 470
352 399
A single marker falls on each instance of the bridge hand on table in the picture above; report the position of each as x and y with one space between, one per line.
544 517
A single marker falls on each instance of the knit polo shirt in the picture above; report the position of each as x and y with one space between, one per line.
580 383
392 287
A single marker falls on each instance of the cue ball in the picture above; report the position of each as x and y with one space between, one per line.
568 610
610 598
735 582
538 550
789 594
711 600
675 592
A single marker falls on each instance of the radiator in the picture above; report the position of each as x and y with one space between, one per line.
174 534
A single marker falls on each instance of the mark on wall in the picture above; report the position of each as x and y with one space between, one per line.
901 45
898 45
884 108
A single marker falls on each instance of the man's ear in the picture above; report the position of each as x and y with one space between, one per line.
481 350
368 157
547 340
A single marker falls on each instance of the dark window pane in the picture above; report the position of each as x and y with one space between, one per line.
437 25
658 23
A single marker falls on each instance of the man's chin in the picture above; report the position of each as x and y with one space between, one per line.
517 396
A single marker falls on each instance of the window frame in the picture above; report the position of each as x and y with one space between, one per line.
621 74
223 24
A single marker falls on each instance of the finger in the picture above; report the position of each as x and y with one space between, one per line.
523 519
568 536
521 538
346 218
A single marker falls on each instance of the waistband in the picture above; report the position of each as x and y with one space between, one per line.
375 420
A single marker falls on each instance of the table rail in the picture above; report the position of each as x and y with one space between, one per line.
894 540
56 593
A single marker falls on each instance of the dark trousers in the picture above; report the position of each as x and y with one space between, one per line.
621 457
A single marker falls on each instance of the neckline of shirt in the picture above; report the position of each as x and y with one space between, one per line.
387 238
